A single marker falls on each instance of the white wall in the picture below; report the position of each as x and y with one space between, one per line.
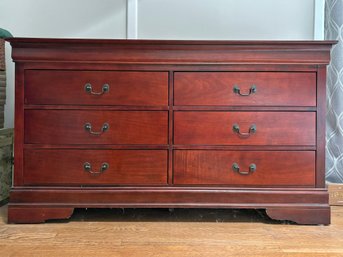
226 19
163 19
62 18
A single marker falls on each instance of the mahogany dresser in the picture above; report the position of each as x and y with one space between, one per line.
169 124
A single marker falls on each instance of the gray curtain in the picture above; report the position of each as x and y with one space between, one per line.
334 118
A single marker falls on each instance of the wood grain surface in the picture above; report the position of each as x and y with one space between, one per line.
273 168
216 128
171 51
66 167
53 107
272 88
335 193
157 232
68 87
67 127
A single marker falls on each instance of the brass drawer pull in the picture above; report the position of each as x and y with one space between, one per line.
252 130
252 168
88 167
89 89
237 90
88 127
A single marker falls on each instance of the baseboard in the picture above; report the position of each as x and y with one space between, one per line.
335 194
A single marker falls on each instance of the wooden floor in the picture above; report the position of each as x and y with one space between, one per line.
159 232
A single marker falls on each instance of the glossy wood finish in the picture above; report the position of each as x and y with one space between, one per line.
272 128
307 216
321 123
37 214
67 127
272 88
167 98
18 125
68 87
167 197
171 51
170 197
273 168
66 167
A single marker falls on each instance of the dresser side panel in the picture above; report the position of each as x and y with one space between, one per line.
321 124
19 128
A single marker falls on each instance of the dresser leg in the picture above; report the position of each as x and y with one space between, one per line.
32 214
301 215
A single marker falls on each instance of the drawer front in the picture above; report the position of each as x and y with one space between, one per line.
251 168
95 127
244 128
95 167
245 88
69 87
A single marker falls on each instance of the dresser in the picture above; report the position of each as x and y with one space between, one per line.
169 124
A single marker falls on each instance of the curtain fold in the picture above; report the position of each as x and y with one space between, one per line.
334 115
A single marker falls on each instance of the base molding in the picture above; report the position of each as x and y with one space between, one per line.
32 214
301 215
36 205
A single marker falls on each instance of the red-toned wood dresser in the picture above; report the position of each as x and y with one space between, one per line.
145 123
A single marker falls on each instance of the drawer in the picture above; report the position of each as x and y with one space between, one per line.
245 88
94 167
244 128
246 168
95 127
89 87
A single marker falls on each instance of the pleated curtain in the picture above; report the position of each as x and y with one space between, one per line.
334 115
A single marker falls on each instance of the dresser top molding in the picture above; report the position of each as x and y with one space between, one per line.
170 51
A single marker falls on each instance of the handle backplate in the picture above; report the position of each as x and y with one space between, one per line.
236 168
88 168
252 130
89 89
237 90
88 127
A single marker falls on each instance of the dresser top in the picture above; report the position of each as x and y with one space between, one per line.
83 41
171 51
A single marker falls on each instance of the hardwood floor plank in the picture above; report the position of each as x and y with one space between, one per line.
158 232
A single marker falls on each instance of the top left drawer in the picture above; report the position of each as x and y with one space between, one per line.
133 88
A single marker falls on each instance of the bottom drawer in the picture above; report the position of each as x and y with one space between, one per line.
95 167
253 168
